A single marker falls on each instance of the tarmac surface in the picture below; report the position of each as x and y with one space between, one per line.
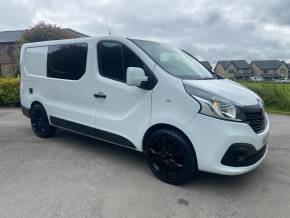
70 175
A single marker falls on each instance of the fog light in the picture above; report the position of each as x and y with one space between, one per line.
237 154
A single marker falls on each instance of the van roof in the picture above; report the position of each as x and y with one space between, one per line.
75 40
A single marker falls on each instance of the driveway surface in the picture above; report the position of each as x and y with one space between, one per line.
74 176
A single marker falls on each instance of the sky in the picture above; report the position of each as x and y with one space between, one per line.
210 30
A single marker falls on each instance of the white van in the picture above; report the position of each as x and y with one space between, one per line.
146 96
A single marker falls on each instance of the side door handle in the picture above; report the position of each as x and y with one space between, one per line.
100 95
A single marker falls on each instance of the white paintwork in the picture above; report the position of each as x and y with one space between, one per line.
130 111
135 76
228 89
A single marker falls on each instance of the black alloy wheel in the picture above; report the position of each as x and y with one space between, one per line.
170 157
39 122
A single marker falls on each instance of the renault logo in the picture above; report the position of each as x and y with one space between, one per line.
260 103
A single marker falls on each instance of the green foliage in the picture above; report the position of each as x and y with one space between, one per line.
276 96
9 91
40 32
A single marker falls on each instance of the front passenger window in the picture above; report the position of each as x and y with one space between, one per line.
114 59
131 60
110 60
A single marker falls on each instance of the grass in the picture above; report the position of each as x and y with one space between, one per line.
276 96
275 111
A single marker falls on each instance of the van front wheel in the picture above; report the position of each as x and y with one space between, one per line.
170 157
39 122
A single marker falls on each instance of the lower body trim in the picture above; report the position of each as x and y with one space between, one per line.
25 111
92 132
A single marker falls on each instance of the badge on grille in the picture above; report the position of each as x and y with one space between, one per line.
260 103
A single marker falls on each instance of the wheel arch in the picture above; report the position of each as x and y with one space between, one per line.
35 103
159 126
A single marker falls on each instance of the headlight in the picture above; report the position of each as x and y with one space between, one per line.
214 105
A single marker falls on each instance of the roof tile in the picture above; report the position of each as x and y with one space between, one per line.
13 36
239 64
268 64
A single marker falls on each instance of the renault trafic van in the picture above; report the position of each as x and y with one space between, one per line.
146 96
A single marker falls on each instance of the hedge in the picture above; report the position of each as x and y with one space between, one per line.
9 91
276 96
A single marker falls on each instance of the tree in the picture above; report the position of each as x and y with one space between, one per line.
40 32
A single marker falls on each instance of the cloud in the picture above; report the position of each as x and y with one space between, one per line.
209 29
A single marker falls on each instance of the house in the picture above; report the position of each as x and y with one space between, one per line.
207 65
270 69
7 49
288 70
233 69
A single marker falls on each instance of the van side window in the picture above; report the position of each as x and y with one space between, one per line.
132 60
110 60
67 61
114 59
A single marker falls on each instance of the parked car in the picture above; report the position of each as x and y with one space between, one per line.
282 80
146 96
257 79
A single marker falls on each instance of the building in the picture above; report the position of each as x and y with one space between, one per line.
288 70
270 69
7 49
207 65
233 69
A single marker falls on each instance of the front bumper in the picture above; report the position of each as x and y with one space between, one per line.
212 138
243 155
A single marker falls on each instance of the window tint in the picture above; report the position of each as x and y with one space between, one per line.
114 59
67 61
131 60
110 60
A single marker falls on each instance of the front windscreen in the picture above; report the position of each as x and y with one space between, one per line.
174 61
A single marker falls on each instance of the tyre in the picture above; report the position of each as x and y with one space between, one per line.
170 157
39 122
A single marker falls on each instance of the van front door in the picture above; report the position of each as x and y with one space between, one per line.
122 112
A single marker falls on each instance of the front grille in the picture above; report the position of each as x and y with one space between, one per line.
256 119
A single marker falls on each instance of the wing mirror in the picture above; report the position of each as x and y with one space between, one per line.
135 76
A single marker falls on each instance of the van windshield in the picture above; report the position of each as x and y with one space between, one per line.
174 61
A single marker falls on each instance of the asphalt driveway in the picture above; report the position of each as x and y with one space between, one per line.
74 176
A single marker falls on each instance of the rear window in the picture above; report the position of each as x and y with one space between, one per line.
67 61
35 61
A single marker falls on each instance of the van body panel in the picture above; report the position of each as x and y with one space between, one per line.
220 135
170 102
74 100
227 89
111 110
124 106
68 99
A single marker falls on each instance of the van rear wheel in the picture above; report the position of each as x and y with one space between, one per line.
170 157
39 122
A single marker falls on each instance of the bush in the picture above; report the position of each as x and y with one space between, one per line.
9 91
276 96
